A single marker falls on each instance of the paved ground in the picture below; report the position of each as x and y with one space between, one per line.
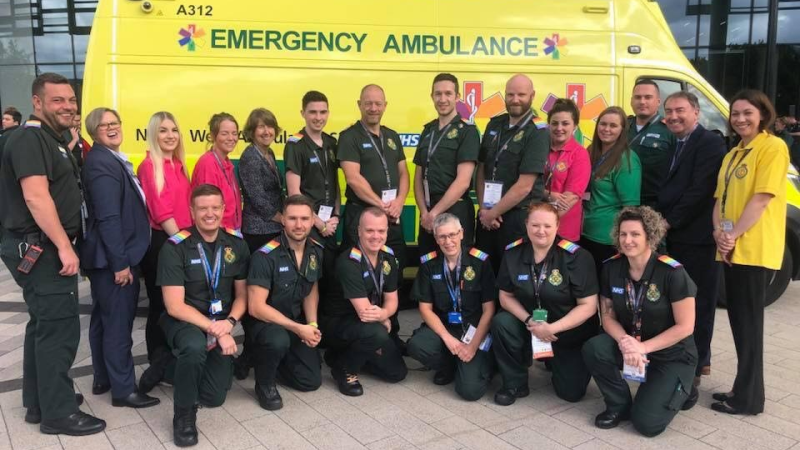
414 413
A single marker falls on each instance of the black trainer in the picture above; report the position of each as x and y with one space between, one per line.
184 426
34 415
76 424
506 396
268 397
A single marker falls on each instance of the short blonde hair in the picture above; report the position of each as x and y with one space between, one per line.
95 118
655 227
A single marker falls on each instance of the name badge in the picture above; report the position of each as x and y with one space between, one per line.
726 225
492 193
523 277
632 373
195 261
617 290
493 133
216 306
469 335
454 317
541 349
388 195
313 160
325 213
437 276
366 274
366 145
653 135
283 269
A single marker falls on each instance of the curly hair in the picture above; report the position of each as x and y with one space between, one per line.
655 227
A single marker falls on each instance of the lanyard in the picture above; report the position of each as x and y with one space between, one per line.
636 305
212 274
644 128
601 160
432 147
232 185
377 280
270 163
502 147
729 171
453 286
379 151
323 165
537 282
548 169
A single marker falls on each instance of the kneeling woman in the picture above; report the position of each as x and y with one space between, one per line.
456 294
548 291
647 309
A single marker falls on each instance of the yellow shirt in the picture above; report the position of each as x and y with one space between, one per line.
758 169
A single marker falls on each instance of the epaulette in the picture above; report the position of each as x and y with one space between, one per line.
569 246
179 237
669 261
269 246
295 137
617 256
234 232
355 254
478 254
388 250
514 244
539 123
314 241
427 257
33 124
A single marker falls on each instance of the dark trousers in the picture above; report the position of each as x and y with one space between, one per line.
329 253
514 354
113 311
494 242
658 399
52 333
355 345
698 260
472 378
201 376
153 334
277 352
464 209
746 288
600 252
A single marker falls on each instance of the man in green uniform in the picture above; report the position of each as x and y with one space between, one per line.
512 158
41 210
312 170
202 272
649 137
355 318
282 301
446 156
456 294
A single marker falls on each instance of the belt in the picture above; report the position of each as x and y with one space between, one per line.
36 237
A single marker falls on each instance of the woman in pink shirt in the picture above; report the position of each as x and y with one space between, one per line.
215 168
567 172
166 186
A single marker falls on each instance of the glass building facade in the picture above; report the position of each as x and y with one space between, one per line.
733 43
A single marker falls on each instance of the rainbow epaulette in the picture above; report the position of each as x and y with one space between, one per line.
269 246
427 257
355 254
295 137
514 244
33 124
539 123
569 246
179 237
478 254
314 241
669 261
617 256
388 250
234 232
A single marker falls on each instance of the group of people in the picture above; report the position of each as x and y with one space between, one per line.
600 262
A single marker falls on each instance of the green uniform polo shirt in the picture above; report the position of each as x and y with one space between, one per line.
274 267
36 149
654 144
608 195
180 264
460 143
356 146
522 151
353 280
315 165
570 274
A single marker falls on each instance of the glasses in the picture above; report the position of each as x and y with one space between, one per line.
448 237
109 125
369 104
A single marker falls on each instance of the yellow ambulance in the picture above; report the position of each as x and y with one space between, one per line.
196 58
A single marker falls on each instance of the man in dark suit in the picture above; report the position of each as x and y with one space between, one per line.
686 200
117 236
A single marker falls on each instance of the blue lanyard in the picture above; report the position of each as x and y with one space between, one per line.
453 286
212 275
377 280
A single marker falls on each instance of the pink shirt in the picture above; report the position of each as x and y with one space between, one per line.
208 171
173 202
569 170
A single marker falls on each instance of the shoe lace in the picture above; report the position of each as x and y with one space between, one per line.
189 420
351 378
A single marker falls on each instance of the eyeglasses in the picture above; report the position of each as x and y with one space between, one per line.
109 125
448 237
369 104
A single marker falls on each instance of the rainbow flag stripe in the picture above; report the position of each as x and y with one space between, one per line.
33 124
514 244
479 254
540 123
388 250
617 256
295 137
235 232
669 261
315 242
425 258
179 237
569 246
355 254
269 246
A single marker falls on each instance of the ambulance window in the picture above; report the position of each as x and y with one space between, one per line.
666 87
710 116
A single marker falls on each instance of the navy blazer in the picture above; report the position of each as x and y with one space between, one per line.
686 199
117 229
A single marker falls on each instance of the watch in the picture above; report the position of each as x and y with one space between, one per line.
528 319
232 321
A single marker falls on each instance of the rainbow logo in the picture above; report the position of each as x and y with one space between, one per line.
555 46
191 37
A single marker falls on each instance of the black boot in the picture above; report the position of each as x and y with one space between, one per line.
155 373
34 415
268 396
507 396
184 426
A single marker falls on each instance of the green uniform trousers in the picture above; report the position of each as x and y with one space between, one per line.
201 376
514 354
52 333
472 378
658 399
276 351
464 209
494 242
355 345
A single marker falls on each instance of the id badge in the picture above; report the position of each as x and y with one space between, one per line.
216 307
454 317
540 315
541 349
492 193
632 373
486 345
427 190
587 196
469 335
325 213
726 225
388 195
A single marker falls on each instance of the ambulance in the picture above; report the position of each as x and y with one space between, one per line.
197 58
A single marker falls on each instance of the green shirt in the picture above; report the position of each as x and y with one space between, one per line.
358 146
316 166
654 144
620 187
275 268
180 264
35 149
521 151
461 143
353 280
